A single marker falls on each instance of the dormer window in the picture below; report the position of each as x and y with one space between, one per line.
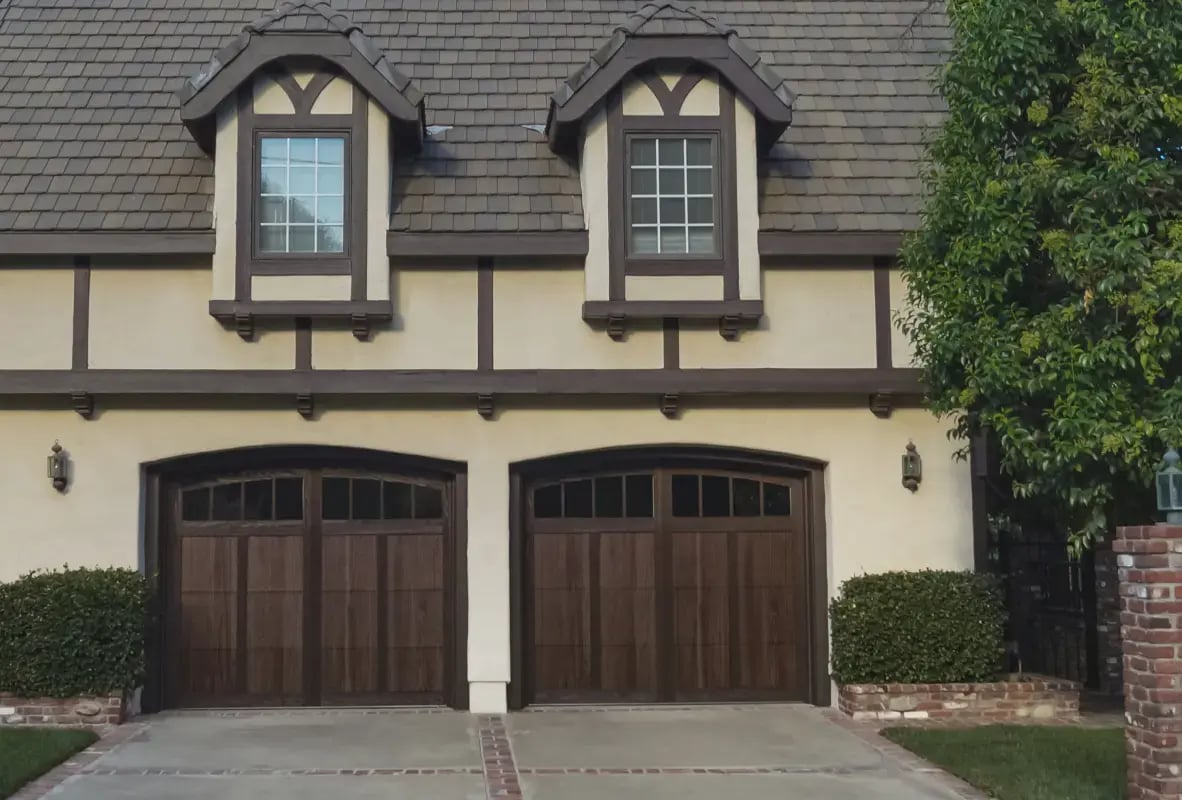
672 190
302 204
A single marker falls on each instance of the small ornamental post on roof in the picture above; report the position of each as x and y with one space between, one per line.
1169 488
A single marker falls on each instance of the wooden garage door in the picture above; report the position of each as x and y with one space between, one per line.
667 585
308 587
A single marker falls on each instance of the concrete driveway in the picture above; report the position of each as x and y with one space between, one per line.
741 752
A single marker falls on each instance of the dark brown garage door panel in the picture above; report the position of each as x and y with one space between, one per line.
703 595
261 560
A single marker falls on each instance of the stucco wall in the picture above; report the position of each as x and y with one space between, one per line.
814 318
874 524
35 310
902 353
434 328
538 324
159 319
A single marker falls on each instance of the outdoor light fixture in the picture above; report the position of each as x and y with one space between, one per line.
56 467
1169 488
913 468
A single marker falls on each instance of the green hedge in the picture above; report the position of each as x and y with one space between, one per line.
73 632
917 627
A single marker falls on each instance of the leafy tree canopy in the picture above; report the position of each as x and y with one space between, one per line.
1045 285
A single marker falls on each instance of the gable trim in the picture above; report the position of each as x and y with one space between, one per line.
636 54
199 103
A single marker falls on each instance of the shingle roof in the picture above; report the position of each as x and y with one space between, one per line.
90 134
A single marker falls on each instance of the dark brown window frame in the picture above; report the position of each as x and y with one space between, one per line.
621 129
301 263
252 127
678 263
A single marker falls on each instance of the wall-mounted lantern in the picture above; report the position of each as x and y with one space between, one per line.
912 468
1169 488
57 467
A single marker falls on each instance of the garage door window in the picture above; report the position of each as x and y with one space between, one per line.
279 499
605 497
373 499
722 496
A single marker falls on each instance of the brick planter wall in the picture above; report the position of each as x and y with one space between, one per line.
1028 697
86 712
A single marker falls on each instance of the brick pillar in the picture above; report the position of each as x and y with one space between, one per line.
1149 561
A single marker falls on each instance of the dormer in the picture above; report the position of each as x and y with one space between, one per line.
668 122
302 115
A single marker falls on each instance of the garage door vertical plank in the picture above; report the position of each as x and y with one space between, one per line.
663 569
240 644
383 616
313 601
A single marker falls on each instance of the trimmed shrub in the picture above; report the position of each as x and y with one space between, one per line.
917 627
73 632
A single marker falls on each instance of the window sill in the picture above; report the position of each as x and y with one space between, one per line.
731 315
243 314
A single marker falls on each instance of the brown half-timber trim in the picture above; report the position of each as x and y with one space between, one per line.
617 158
303 343
797 244
671 100
672 342
542 244
464 383
485 325
730 192
358 159
244 202
80 350
747 310
882 312
524 475
107 243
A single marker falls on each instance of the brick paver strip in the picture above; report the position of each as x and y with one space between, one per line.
501 780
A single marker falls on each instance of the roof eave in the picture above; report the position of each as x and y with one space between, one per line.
248 53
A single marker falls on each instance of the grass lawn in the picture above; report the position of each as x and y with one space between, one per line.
1012 762
26 753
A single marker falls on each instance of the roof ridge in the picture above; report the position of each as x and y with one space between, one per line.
338 20
658 10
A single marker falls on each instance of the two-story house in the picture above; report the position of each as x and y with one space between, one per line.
470 352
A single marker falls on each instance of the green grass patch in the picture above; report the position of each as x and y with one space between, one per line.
1013 762
26 753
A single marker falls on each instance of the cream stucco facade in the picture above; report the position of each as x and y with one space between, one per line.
873 523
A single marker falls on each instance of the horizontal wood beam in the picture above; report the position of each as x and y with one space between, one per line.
401 245
106 243
244 383
802 244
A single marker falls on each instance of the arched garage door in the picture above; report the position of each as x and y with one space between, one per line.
308 586
680 581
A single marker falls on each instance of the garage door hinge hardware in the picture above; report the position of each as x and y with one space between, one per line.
882 404
83 403
305 405
485 406
671 405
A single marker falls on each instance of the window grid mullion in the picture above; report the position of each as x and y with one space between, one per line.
685 192
287 197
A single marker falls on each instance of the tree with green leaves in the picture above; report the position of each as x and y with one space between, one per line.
1045 283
